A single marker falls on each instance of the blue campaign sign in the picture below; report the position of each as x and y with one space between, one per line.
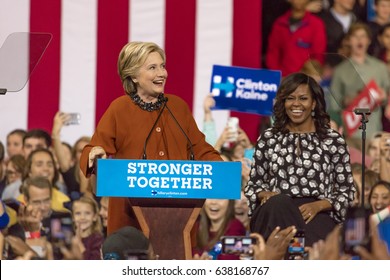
168 179
246 90
371 10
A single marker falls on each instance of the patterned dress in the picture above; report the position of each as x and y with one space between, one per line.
302 165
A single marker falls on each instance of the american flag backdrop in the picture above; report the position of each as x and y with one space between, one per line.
78 73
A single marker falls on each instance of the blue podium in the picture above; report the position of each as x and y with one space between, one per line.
166 197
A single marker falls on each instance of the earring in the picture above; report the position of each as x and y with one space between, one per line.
313 113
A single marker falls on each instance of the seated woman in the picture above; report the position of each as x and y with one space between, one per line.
302 174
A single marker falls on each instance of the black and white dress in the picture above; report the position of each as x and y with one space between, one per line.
301 165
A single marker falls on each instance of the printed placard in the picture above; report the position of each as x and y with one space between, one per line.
243 89
368 97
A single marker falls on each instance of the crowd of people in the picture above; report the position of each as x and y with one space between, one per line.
300 179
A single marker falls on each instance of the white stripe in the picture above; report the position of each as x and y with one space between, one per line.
213 46
78 66
147 21
14 17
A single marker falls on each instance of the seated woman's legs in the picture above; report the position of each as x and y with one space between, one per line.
283 211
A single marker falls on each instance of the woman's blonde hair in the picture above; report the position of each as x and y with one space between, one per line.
130 60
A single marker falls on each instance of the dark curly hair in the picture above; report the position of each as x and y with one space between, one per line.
288 86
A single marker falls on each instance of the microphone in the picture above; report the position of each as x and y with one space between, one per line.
192 157
155 123
362 111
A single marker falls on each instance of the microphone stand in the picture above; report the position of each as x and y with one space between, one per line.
154 125
364 112
192 156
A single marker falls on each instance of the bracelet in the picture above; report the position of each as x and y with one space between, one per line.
32 234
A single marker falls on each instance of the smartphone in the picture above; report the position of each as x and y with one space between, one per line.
61 230
237 245
233 124
133 254
13 204
296 247
74 118
356 229
248 153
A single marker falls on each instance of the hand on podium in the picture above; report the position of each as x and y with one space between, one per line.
95 153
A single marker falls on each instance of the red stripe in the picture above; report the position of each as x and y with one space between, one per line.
112 35
44 86
247 51
180 22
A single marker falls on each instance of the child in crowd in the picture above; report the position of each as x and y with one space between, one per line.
294 35
88 239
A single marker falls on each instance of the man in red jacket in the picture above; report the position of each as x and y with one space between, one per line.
295 36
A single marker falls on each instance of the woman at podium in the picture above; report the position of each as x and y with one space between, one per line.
144 123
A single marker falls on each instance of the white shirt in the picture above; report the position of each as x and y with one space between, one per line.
344 20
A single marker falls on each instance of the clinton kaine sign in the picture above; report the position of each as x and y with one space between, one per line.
245 90
168 179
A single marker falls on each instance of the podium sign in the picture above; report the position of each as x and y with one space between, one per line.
168 179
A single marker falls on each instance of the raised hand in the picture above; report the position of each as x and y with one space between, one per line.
278 241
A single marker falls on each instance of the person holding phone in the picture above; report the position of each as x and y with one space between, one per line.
145 123
301 174
68 159
216 220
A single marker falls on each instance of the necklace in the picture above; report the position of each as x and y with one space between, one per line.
147 106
